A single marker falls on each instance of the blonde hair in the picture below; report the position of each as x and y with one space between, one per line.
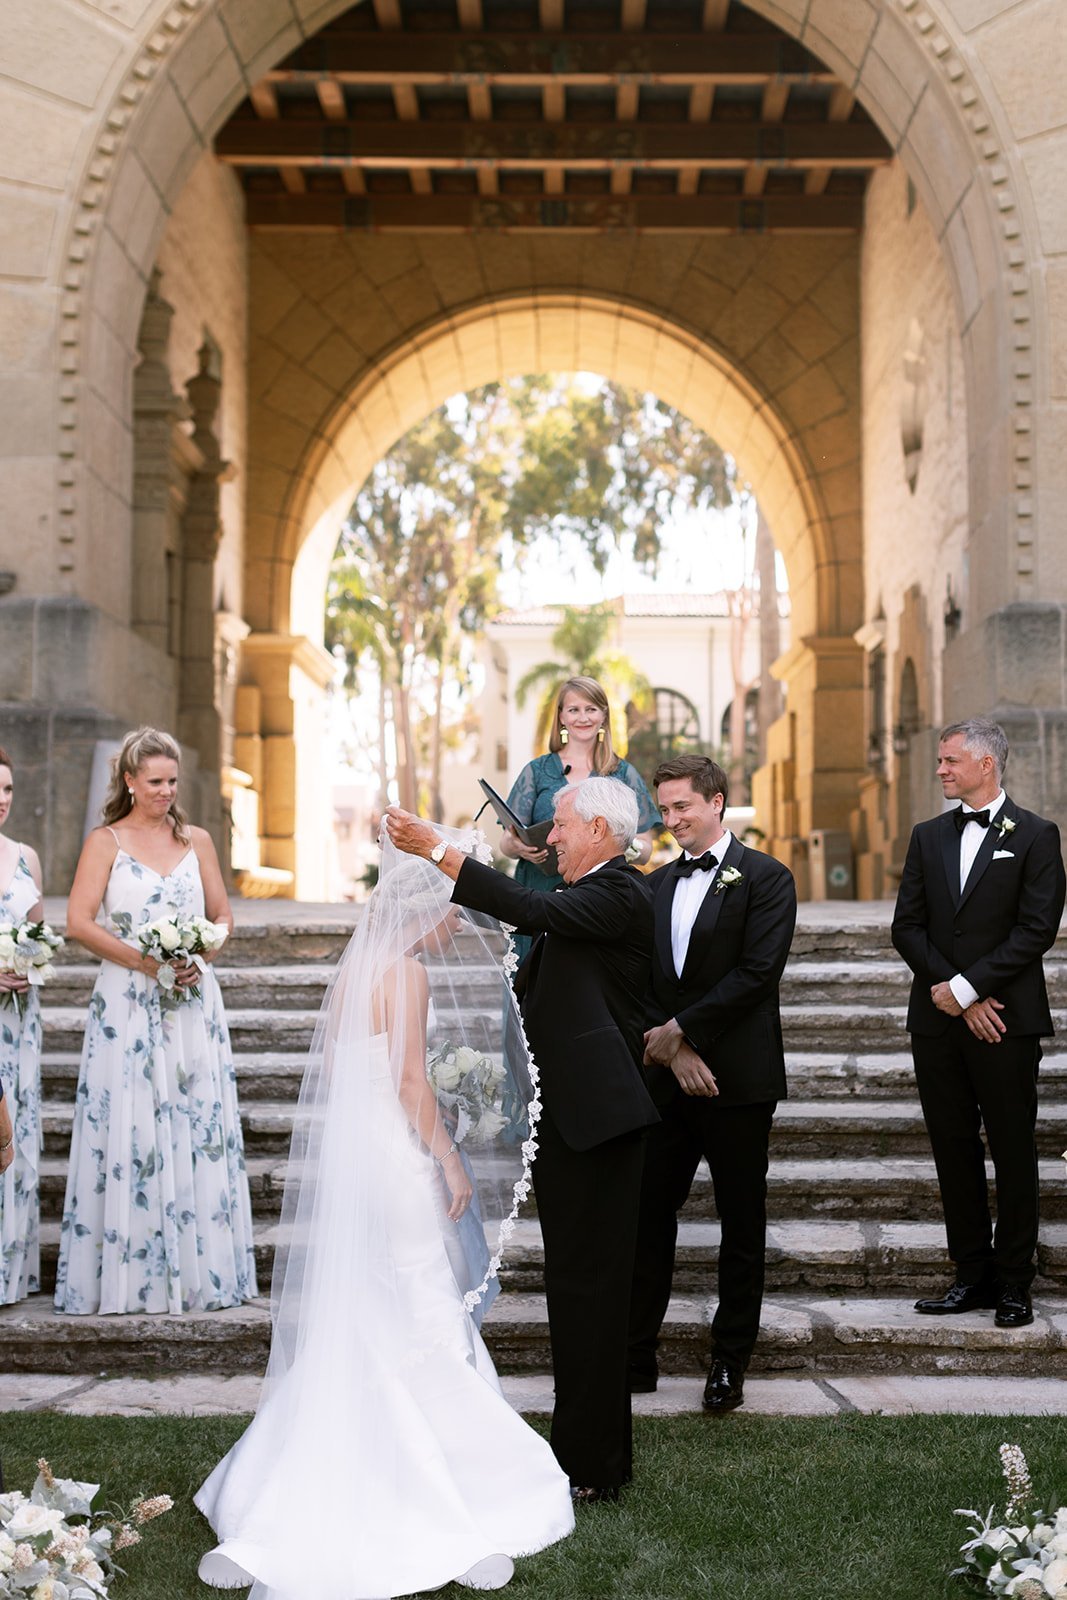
604 758
137 748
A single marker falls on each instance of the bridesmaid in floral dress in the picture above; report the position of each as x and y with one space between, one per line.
157 1214
20 1072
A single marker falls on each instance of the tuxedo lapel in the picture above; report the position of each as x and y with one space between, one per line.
950 855
990 843
708 915
664 902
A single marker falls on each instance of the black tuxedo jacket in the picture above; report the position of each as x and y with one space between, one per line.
726 997
581 990
996 932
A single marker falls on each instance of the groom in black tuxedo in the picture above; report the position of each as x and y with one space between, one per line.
581 989
724 919
980 901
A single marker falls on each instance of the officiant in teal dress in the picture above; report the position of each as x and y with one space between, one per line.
579 747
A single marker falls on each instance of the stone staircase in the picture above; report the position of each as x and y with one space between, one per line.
855 1231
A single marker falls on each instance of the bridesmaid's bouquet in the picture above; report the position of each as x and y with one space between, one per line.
175 941
26 949
469 1089
51 1545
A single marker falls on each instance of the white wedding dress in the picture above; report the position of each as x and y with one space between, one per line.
385 1461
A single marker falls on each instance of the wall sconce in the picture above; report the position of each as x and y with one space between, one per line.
901 740
875 753
952 613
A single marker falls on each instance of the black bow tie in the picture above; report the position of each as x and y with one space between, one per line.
961 818
704 863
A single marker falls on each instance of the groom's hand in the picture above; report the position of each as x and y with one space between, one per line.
693 1076
661 1044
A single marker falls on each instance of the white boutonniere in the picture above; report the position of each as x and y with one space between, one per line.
727 878
1005 826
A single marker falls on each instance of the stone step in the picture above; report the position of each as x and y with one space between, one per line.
808 1029
853 1258
283 932
812 1075
903 1188
813 1334
300 985
841 1129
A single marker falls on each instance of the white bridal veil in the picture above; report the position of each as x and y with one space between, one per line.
367 1431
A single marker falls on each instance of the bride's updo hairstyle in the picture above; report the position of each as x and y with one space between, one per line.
137 748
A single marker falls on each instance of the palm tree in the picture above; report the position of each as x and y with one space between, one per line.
580 642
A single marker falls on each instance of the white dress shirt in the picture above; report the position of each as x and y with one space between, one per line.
970 843
689 897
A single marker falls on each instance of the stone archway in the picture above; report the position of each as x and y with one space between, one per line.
154 87
508 337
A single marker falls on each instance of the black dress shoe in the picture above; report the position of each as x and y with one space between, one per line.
725 1388
1014 1308
592 1497
642 1382
961 1297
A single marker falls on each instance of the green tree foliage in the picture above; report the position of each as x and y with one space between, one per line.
480 480
581 646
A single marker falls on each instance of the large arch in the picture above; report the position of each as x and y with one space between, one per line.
951 85
520 334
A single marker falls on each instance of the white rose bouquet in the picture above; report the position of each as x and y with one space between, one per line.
1025 1556
50 1546
26 949
175 941
469 1089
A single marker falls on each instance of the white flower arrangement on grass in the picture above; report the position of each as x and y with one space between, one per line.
51 1548
468 1086
26 949
175 941
1026 1555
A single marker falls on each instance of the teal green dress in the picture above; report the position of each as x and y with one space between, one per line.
533 799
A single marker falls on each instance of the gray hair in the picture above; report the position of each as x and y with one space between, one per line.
613 800
982 738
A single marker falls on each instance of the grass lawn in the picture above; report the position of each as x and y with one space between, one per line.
738 1508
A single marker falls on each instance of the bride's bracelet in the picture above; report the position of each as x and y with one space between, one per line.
451 1151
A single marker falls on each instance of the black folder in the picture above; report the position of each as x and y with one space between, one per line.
534 835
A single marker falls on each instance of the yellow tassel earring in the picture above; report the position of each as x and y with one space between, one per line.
600 736
563 736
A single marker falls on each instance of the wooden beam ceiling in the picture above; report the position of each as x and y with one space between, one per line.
659 115
532 59
575 145
533 213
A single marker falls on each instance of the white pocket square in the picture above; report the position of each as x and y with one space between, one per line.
1003 855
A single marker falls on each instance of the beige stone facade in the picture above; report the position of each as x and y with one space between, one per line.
187 409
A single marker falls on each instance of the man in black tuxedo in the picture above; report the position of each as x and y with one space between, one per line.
724 919
980 901
581 990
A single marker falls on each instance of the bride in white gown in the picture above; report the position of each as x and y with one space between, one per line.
383 1459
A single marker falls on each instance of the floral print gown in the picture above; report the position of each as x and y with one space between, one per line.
20 1070
157 1214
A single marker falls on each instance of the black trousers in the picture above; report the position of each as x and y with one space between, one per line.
587 1204
963 1085
733 1140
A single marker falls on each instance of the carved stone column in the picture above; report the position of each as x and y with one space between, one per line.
200 691
164 459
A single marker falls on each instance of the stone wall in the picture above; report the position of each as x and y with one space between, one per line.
915 499
203 265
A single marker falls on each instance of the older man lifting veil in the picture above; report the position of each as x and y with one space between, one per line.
581 989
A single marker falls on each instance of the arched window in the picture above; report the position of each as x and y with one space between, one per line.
669 726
